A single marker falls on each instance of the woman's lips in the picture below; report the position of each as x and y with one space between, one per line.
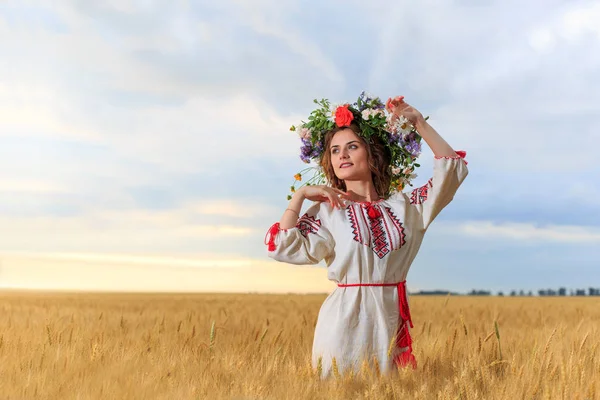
346 165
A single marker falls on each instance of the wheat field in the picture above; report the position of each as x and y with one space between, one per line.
253 346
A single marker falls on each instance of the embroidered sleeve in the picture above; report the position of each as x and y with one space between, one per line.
438 192
308 242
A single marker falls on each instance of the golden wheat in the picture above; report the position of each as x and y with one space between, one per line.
219 346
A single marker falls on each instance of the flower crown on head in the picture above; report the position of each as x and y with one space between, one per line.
374 120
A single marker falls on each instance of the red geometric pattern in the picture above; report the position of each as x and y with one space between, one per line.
354 224
307 224
420 194
380 244
398 226
383 233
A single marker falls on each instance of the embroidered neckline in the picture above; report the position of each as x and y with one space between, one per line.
366 203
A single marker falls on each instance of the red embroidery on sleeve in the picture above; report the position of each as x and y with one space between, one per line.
459 154
420 194
307 224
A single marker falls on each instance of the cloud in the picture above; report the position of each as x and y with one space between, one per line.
133 127
132 274
117 231
205 260
35 109
29 186
489 91
583 235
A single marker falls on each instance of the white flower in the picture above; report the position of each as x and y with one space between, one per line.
403 125
389 126
396 170
304 133
378 112
332 109
366 113
411 177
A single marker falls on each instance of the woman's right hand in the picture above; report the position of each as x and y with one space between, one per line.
324 193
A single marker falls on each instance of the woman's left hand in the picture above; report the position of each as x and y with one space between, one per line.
397 106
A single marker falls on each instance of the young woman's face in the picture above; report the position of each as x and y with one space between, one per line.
349 156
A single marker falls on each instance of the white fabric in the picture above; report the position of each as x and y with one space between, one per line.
358 322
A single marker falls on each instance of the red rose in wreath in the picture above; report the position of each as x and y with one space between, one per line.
343 116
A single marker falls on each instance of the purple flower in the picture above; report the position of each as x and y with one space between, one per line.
394 138
364 100
413 147
319 145
309 151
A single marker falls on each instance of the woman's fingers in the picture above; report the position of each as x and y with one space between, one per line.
339 201
334 200
343 194
332 196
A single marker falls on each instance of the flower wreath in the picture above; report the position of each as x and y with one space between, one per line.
397 134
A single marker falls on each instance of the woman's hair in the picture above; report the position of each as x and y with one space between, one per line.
378 158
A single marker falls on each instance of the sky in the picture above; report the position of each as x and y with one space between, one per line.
145 145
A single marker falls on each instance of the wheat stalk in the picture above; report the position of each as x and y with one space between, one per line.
49 334
453 341
392 345
583 342
462 320
366 369
320 366
263 335
277 337
547 347
488 336
334 368
213 335
591 392
497 329
376 366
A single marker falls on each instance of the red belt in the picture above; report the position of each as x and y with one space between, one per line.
403 338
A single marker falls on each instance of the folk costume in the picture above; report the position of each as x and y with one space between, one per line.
368 249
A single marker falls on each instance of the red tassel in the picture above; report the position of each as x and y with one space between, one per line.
407 359
272 234
462 154
404 339
373 212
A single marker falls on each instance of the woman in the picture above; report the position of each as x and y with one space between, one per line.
367 235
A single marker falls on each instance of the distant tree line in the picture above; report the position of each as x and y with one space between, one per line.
543 292
513 293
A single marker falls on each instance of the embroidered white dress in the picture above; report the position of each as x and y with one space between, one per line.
367 243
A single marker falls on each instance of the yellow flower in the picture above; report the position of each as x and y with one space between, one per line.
293 128
293 189
401 186
298 177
